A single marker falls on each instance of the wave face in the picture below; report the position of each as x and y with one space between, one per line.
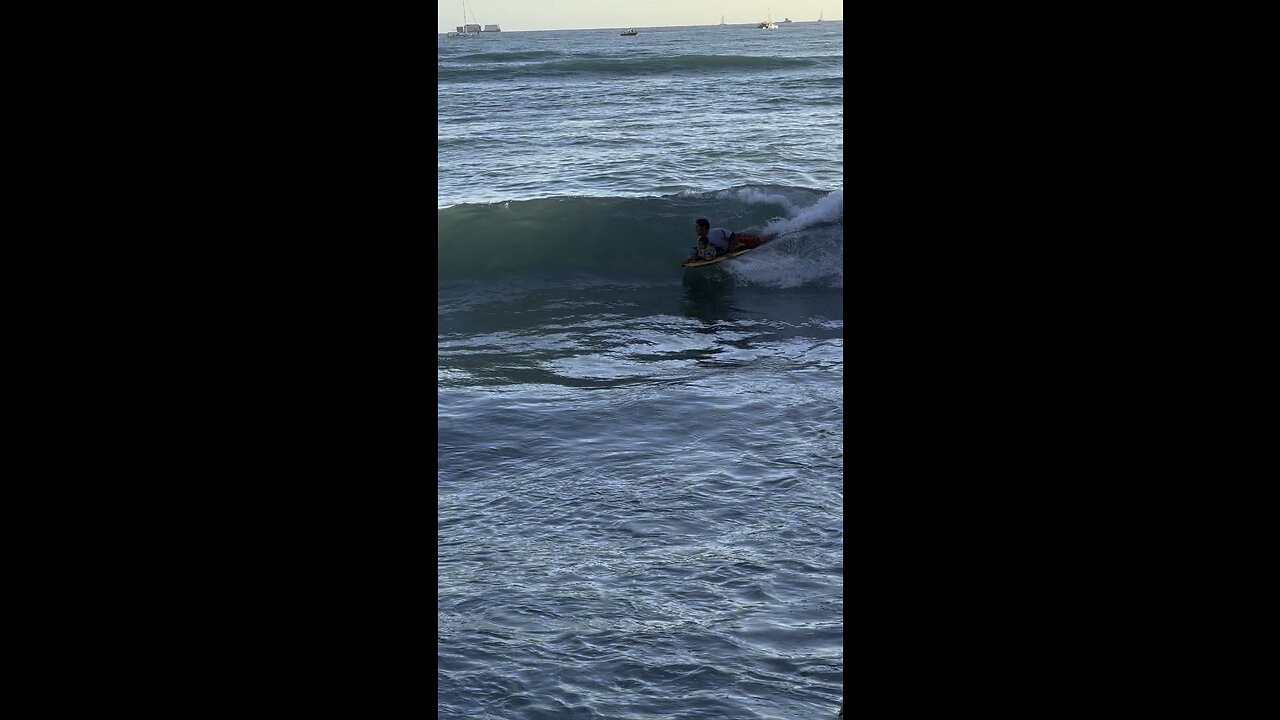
645 239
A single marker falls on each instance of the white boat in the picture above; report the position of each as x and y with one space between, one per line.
819 16
721 21
786 20
768 24
465 30
628 33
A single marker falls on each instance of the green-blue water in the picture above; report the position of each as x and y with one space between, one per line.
640 466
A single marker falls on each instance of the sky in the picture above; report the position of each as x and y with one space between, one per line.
583 14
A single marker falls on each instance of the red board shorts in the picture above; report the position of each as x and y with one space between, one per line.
747 240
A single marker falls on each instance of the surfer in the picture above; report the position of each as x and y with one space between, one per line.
721 239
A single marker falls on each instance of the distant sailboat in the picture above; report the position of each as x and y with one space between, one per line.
464 30
819 16
722 21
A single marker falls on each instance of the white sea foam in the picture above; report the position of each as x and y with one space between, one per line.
810 250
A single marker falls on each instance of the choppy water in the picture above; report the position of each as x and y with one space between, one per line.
640 466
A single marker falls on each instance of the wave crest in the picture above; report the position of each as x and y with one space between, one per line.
644 239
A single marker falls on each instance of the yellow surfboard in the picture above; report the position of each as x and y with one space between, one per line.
699 262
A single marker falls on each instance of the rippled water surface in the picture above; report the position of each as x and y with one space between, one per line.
640 466
586 112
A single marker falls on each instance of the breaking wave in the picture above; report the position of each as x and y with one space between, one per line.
645 239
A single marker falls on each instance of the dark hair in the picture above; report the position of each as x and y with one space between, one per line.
702 222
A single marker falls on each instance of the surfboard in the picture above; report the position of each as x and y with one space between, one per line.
725 256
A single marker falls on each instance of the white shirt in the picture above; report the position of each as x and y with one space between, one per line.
719 237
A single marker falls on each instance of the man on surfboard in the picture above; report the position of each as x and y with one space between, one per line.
723 240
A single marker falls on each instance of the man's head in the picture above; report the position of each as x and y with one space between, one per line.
702 226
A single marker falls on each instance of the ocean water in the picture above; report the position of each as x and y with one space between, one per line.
640 466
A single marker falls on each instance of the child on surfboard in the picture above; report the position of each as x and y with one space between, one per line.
722 240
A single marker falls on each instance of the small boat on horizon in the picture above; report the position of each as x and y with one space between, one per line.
466 29
628 33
